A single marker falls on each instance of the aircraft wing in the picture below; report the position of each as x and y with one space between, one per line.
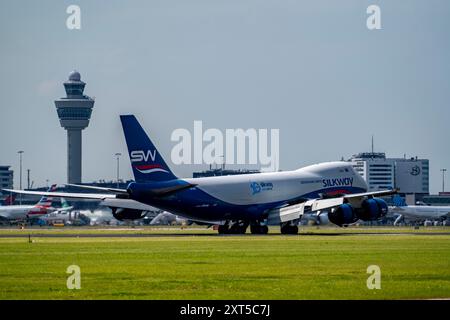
92 196
114 190
380 193
127 204
295 211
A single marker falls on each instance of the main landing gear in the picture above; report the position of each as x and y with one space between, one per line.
240 227
288 228
259 229
235 227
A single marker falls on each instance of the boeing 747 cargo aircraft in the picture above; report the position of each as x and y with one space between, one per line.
238 201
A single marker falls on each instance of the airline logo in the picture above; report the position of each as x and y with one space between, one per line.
338 182
145 156
142 156
262 186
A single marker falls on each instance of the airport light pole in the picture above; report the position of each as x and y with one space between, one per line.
20 174
118 154
443 179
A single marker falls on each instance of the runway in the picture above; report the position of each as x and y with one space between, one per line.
191 235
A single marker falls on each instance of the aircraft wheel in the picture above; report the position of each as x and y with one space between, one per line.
258 229
243 227
223 229
235 228
264 229
238 227
254 229
289 229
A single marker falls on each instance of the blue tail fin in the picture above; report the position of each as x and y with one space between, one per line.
146 161
399 201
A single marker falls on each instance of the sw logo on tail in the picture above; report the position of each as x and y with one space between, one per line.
140 155
146 161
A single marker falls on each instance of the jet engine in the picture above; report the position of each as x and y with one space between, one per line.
128 214
344 214
371 209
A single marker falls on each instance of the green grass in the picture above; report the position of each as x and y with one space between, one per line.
194 229
227 267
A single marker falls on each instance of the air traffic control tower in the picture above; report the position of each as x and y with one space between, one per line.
74 112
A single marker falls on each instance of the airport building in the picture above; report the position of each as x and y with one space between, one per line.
441 199
74 112
6 177
409 175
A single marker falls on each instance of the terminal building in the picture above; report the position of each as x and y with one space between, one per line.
6 180
6 177
441 199
409 175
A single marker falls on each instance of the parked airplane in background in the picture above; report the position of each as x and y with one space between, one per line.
241 200
417 212
62 214
23 212
167 218
65 207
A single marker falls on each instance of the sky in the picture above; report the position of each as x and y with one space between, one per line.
311 69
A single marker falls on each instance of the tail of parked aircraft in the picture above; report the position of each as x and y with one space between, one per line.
147 163
46 202
64 203
399 201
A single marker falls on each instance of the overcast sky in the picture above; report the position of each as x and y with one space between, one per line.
309 68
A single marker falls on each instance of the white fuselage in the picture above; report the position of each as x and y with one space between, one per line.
260 188
15 212
421 212
22 212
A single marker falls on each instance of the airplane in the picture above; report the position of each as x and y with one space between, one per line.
23 212
167 218
99 216
256 200
64 213
417 212
64 209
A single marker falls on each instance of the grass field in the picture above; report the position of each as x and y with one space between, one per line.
329 265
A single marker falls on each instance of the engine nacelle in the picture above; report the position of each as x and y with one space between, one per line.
128 214
344 214
372 209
